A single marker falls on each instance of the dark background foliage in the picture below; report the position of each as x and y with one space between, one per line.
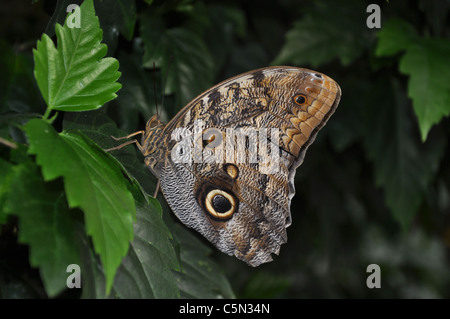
374 187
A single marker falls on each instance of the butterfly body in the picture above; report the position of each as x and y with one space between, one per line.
226 162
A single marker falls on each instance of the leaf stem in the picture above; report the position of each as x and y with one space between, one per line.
52 119
47 113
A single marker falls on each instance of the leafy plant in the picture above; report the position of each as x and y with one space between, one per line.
76 76
425 63
374 187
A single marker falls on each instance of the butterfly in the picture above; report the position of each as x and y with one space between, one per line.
226 162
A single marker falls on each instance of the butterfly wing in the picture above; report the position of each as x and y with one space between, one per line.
241 202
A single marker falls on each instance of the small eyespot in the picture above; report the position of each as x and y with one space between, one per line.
300 99
318 75
232 170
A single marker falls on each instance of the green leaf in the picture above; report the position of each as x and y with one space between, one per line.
5 187
184 55
199 277
403 166
147 270
265 285
248 56
137 98
18 89
17 155
44 224
427 64
226 23
395 36
435 13
346 128
75 76
98 127
343 36
93 182
116 16
7 61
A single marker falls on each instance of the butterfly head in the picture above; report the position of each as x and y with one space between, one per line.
154 123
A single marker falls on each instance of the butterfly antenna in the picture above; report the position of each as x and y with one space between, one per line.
154 88
165 80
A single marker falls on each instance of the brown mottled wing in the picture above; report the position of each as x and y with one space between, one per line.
199 193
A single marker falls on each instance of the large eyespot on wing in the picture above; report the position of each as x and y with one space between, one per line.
255 219
237 209
219 204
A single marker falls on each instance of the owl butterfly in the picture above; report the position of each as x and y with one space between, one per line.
226 162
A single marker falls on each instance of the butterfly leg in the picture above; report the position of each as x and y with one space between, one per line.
157 189
126 143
